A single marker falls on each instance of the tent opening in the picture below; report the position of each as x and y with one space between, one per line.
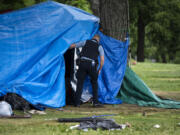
69 71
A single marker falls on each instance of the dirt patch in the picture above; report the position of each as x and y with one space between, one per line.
87 109
168 95
165 79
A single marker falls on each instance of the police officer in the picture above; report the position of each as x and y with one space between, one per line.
88 66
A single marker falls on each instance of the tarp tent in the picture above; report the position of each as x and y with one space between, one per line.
135 91
32 46
32 43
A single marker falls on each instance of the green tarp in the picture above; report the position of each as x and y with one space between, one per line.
135 91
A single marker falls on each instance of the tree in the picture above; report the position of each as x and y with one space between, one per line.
141 14
113 16
157 24
15 4
155 27
82 4
164 31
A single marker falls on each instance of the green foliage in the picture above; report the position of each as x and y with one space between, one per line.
82 4
133 39
161 18
164 31
177 58
29 2
146 9
17 4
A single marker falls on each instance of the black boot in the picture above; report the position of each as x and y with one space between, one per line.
97 104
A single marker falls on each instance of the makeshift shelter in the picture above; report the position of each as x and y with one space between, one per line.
135 91
33 42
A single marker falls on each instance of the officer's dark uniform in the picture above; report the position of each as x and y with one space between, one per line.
88 66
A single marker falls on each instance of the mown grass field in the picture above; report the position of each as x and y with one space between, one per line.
159 77
163 79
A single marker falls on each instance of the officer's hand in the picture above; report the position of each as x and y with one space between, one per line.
99 71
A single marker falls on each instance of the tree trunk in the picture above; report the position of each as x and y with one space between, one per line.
113 17
95 7
163 57
141 38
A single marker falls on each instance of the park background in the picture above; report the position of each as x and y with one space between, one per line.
154 29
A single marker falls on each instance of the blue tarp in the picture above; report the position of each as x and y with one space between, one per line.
32 43
113 71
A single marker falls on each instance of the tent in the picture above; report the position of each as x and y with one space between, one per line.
33 42
135 91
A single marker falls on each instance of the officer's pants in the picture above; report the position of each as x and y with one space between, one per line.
86 68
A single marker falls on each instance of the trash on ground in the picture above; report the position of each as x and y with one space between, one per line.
17 102
75 126
5 109
52 119
17 116
6 112
95 123
37 112
156 126
60 109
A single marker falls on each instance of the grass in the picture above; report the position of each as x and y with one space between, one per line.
46 125
159 77
162 78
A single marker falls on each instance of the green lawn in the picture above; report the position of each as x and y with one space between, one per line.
141 125
159 77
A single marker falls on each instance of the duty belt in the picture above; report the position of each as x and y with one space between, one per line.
89 60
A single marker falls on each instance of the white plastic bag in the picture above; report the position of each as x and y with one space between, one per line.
5 109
